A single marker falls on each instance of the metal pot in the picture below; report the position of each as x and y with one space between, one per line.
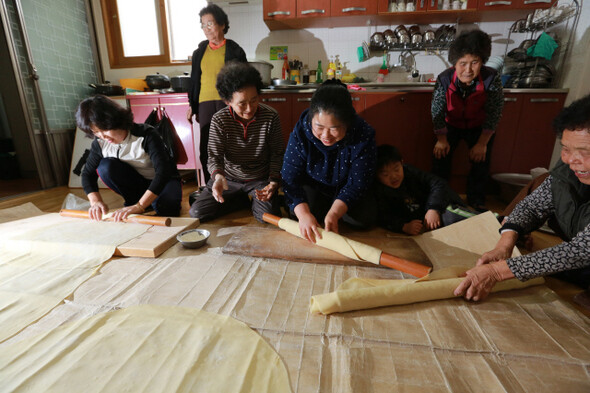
263 68
157 81
107 89
377 40
181 83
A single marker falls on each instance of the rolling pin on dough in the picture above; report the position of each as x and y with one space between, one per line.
380 257
148 220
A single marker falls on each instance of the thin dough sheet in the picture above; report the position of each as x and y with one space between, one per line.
145 349
360 294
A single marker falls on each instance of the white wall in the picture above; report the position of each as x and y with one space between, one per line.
311 45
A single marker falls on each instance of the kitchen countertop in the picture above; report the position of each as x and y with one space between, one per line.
397 87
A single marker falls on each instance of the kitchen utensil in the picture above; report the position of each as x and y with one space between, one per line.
403 265
148 220
390 38
366 50
157 81
413 30
527 44
193 238
384 70
377 40
283 82
401 29
416 38
107 89
429 36
264 69
181 83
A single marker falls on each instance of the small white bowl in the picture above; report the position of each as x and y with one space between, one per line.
193 238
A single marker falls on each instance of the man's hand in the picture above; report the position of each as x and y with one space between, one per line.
219 185
122 214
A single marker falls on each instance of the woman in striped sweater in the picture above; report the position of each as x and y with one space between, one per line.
245 149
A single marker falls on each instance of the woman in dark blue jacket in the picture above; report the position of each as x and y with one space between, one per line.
329 164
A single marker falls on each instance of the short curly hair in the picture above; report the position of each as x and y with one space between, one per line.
218 14
575 117
236 76
333 97
103 113
474 42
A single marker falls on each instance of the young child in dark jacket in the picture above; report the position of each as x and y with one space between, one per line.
410 200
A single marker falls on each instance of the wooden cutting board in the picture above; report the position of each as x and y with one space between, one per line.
276 243
156 239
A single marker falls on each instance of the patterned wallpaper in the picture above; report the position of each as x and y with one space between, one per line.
60 44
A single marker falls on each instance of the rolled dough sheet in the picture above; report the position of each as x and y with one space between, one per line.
145 349
335 242
45 258
361 294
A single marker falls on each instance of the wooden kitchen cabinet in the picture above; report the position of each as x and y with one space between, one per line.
282 103
278 9
403 120
489 5
535 139
505 136
353 7
176 106
313 8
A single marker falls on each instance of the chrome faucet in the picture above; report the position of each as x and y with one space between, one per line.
407 60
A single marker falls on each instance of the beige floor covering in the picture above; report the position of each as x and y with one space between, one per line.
520 341
45 257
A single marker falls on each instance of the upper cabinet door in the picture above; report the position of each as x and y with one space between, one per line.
513 4
353 7
278 9
313 8
451 5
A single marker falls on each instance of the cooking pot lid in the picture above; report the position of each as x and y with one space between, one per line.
261 62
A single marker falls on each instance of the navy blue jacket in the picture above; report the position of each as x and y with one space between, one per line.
344 170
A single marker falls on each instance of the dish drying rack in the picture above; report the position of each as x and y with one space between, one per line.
550 20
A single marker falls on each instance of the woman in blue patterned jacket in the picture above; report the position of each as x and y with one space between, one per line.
329 164
564 198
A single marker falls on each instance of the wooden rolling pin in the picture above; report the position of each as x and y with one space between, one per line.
148 220
403 265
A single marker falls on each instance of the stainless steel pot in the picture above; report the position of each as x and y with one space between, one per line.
263 68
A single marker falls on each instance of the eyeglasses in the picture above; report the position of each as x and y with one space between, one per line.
207 25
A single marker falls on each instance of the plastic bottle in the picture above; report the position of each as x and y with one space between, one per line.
319 75
305 74
331 71
285 74
338 72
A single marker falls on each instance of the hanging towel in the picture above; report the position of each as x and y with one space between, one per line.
544 47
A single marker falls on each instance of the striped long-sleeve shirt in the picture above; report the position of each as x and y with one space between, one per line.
251 151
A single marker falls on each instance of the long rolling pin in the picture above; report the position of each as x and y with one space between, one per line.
148 220
403 265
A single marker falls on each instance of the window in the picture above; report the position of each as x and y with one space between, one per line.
151 32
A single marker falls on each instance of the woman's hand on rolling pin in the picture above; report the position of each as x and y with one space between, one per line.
441 148
308 226
97 210
413 227
267 192
123 213
478 152
219 185
432 219
331 222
